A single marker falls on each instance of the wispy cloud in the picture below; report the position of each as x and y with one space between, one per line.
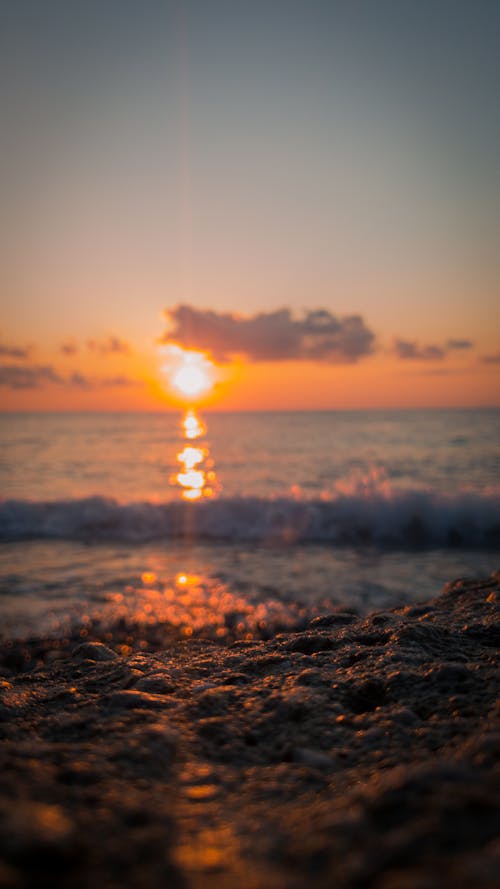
69 347
410 350
18 352
39 376
79 379
111 345
490 359
460 344
85 382
32 377
317 335
119 381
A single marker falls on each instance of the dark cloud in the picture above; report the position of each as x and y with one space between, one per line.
460 344
490 359
33 377
410 350
271 336
20 352
112 345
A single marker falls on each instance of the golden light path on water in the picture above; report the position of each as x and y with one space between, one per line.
196 477
190 602
191 374
156 609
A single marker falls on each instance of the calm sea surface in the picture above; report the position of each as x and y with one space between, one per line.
256 516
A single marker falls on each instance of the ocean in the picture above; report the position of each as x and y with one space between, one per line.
237 525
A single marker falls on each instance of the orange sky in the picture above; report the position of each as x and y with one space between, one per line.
336 163
377 381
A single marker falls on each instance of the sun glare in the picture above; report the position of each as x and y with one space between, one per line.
192 426
191 381
190 373
190 457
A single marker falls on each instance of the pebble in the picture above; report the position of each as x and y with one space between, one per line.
313 758
155 685
95 651
130 699
120 785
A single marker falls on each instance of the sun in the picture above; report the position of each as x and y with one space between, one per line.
191 380
190 373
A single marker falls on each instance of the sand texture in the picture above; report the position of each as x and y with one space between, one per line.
358 753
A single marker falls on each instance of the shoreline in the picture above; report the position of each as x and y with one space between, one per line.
358 751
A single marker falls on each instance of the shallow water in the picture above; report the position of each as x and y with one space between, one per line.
310 511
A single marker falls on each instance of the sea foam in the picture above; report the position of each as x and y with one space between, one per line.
395 519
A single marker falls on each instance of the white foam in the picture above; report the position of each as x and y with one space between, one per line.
386 519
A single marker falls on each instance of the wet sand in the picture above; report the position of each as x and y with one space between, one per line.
354 752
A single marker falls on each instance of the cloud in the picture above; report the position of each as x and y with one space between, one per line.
122 381
460 344
78 379
70 347
33 377
38 376
84 382
490 359
271 336
437 372
21 352
410 350
112 345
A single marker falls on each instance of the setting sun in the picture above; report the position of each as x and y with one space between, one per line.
190 373
191 380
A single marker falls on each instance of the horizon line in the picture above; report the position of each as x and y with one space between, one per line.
298 410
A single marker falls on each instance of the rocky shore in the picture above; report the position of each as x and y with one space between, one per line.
356 752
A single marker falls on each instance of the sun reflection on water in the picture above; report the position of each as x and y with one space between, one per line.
192 425
196 477
189 604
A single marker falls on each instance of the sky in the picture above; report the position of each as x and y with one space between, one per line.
308 190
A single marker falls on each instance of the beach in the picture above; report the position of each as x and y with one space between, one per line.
268 687
357 751
309 511
249 445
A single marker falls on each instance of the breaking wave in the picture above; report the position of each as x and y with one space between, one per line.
401 519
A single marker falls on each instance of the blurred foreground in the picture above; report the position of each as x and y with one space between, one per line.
356 752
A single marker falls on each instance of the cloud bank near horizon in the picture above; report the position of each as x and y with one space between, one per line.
318 335
17 352
36 376
411 350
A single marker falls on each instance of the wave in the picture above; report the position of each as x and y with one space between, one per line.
401 519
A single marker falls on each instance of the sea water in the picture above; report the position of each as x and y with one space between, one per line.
292 514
